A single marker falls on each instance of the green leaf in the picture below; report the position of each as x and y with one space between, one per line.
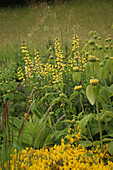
96 90
58 134
105 93
83 122
73 95
109 113
110 148
48 140
78 76
88 68
39 141
107 139
97 68
35 128
37 113
74 76
85 143
111 65
67 121
55 100
68 102
90 94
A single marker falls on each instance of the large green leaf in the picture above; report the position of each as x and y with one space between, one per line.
88 68
90 94
97 68
83 122
110 148
74 76
106 93
40 139
35 128
96 90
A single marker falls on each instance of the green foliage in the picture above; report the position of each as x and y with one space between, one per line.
78 89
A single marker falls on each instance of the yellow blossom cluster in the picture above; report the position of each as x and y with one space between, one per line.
63 156
94 81
92 58
73 59
76 68
75 44
78 87
20 74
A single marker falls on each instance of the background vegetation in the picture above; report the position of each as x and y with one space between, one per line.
36 25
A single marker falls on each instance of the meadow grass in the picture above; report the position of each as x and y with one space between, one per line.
37 24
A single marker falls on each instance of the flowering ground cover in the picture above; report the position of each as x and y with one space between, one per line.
63 156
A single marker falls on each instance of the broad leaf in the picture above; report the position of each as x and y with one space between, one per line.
90 94
84 121
74 76
110 148
85 143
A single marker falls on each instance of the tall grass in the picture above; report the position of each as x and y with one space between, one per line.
36 24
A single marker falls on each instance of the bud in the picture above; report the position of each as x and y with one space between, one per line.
91 42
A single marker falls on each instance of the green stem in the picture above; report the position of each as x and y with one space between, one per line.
93 71
99 125
84 114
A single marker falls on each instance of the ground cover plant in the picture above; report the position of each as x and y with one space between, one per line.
66 90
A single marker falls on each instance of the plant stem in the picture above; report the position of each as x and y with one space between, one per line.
93 70
99 125
84 114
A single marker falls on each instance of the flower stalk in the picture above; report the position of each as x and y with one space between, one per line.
98 117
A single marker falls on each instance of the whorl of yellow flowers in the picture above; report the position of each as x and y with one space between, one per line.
94 81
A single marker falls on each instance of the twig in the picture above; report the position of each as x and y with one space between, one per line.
57 122
30 97
25 119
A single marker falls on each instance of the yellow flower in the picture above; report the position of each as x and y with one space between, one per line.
92 58
97 59
76 68
78 87
94 81
8 91
101 64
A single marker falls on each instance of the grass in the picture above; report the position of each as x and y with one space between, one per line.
37 24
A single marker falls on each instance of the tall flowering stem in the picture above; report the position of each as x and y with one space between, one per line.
99 125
